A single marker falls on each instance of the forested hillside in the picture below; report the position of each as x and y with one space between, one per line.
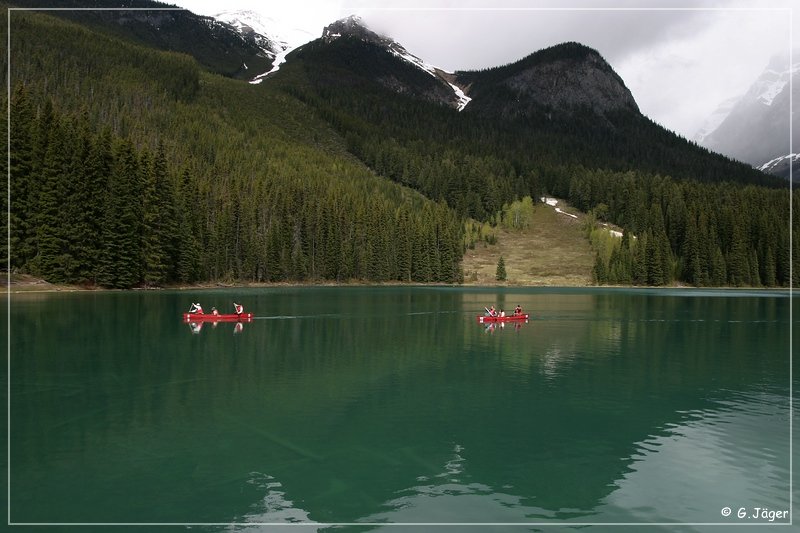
137 167
133 167
215 45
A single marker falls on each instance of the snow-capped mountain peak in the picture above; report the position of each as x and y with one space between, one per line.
772 81
282 35
755 128
354 26
246 21
277 40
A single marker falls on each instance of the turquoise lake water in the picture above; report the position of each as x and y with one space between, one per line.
393 405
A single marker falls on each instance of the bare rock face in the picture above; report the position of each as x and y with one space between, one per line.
563 78
567 83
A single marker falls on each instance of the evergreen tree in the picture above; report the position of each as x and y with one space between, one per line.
796 260
620 268
82 204
188 249
769 278
500 274
403 238
332 249
23 179
691 253
654 260
4 208
273 263
639 260
120 264
599 270
737 261
755 277
719 270
421 269
158 225
54 259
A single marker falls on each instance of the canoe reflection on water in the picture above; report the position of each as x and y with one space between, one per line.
490 327
197 327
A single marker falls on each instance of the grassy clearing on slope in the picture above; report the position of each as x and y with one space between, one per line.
552 251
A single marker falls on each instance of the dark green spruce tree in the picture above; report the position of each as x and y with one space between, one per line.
159 223
500 273
121 261
24 185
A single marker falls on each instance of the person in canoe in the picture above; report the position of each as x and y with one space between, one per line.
490 311
518 310
214 311
238 308
196 308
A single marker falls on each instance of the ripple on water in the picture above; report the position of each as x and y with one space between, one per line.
734 454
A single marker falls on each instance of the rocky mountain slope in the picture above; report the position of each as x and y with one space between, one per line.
755 128
563 78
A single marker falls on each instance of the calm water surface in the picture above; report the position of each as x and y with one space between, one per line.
343 405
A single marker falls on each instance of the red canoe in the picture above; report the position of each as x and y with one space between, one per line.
208 317
508 318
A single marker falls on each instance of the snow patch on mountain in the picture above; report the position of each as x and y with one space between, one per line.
770 90
276 39
771 83
463 99
436 72
402 53
280 59
769 165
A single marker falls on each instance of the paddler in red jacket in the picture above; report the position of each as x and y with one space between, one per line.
196 309
239 308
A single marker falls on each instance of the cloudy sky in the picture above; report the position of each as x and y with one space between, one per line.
680 60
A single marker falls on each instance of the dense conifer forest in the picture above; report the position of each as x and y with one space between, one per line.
689 216
131 167
135 167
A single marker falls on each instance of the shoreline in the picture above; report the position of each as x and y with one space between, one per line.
24 284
